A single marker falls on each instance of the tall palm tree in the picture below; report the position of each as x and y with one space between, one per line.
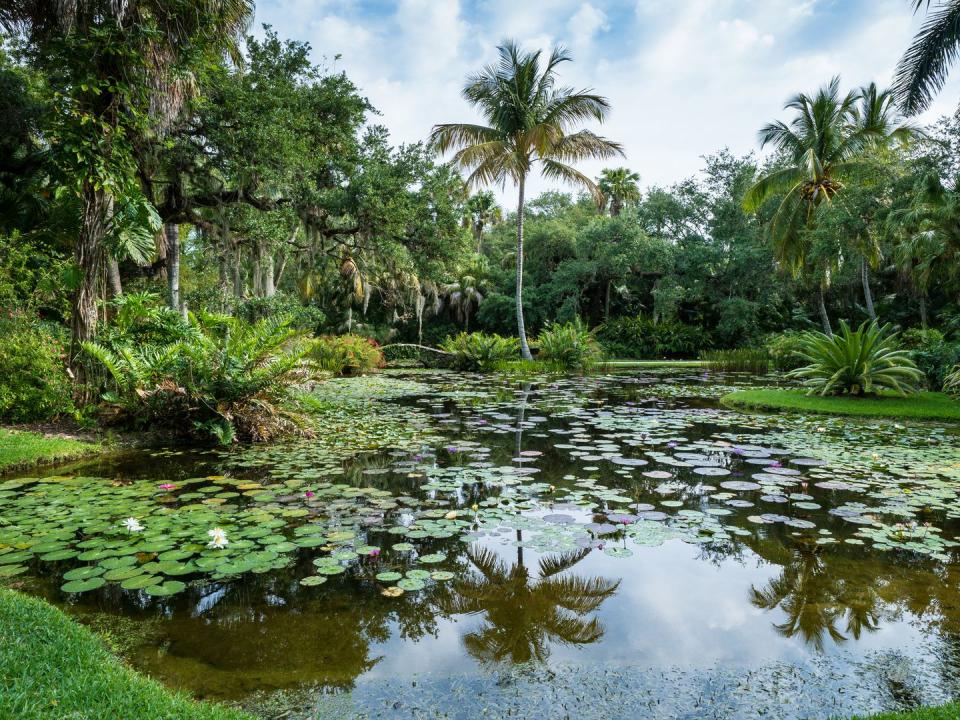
819 146
482 211
618 186
922 71
139 44
879 125
529 119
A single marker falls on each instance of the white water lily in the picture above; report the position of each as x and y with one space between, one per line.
218 539
132 525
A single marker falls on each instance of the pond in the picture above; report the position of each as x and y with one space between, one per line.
461 546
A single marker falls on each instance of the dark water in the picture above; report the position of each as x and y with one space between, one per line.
654 555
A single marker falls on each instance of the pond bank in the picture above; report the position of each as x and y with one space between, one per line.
23 449
922 406
51 667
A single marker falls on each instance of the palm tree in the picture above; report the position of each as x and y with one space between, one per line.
523 613
618 186
482 210
530 119
465 295
120 61
922 71
819 146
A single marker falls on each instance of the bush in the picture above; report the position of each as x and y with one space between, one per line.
784 350
641 339
569 346
932 353
34 384
224 379
857 362
480 351
346 354
302 317
951 383
755 360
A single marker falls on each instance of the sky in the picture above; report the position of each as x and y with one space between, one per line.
685 78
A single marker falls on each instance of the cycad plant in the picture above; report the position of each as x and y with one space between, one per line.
569 346
856 362
224 379
480 351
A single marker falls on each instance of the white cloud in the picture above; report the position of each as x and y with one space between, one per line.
684 79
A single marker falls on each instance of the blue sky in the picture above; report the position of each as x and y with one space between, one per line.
685 77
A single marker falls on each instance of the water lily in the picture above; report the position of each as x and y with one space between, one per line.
452 515
309 494
132 525
218 539
475 507
167 486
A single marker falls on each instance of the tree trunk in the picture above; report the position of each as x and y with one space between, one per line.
113 277
521 328
867 295
478 234
923 310
269 288
615 206
822 307
606 302
256 271
172 232
237 272
88 255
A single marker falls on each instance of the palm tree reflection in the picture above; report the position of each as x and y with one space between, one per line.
523 613
817 597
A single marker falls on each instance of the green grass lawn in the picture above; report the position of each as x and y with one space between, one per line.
51 668
21 449
923 406
947 712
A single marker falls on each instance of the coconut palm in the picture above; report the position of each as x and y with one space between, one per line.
922 71
819 145
529 120
525 613
618 186
482 211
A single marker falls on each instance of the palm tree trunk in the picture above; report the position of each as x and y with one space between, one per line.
88 255
822 307
269 287
606 302
923 310
172 232
113 277
521 329
478 233
867 295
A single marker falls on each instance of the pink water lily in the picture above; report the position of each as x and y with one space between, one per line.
168 486
309 494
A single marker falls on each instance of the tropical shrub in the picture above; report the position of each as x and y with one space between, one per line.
480 351
346 354
302 317
642 339
755 360
951 383
569 346
33 379
226 379
857 362
932 353
784 349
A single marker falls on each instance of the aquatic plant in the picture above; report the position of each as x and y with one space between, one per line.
857 362
755 360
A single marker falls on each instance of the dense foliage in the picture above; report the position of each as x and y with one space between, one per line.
857 362
481 351
33 380
346 354
569 346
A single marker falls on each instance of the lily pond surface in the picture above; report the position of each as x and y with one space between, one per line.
462 546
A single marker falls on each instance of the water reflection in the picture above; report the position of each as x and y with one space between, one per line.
524 612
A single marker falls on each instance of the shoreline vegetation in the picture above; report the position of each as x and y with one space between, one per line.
921 406
53 667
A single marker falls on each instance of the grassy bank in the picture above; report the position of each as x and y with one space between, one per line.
51 667
20 450
947 712
923 406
